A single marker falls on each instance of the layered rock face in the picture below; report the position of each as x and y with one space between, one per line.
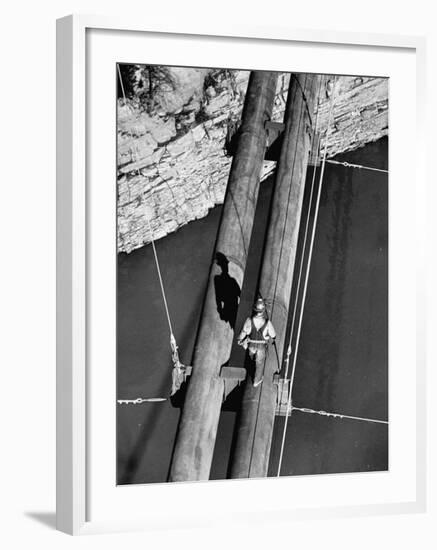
173 165
359 114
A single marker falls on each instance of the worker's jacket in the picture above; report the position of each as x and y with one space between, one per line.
254 335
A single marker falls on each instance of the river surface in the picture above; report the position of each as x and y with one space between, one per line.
342 363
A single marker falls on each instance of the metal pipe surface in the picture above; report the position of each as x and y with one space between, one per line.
255 428
197 430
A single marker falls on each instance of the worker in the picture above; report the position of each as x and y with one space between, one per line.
255 337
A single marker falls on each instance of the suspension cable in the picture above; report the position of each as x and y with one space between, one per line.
337 415
359 166
313 231
277 276
141 400
172 338
303 247
160 277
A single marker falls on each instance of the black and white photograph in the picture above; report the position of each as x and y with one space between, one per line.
252 273
219 275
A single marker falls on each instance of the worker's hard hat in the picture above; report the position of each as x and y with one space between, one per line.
259 305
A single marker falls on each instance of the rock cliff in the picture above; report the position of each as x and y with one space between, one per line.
173 164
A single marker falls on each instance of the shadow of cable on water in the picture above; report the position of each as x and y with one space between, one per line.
45 518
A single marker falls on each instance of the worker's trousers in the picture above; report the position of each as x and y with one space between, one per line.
258 353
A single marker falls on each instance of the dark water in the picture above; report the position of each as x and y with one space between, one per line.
342 362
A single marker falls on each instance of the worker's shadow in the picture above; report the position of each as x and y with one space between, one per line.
227 295
227 291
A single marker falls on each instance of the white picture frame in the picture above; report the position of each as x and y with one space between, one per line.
74 397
